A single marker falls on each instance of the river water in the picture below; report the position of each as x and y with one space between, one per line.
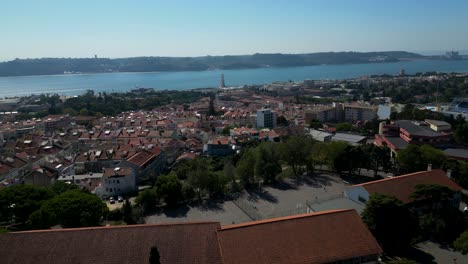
75 84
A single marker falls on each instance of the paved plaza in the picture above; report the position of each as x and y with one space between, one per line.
281 199
225 212
435 253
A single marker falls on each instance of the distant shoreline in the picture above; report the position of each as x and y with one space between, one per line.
215 69
189 80
218 69
59 66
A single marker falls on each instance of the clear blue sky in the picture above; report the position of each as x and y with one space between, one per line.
117 28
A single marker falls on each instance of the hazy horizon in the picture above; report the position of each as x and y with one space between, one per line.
425 53
120 29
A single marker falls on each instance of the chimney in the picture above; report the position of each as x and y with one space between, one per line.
429 167
449 173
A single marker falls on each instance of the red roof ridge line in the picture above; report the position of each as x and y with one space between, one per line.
397 177
284 218
111 227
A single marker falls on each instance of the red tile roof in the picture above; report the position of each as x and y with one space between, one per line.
403 186
141 158
176 243
309 238
186 156
221 141
117 172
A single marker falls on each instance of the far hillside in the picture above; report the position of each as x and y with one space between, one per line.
49 66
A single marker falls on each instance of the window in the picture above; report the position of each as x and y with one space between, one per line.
118 181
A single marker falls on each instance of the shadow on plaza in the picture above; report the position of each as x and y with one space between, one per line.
420 256
314 180
212 205
260 194
183 209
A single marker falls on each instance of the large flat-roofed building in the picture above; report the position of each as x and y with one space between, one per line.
359 113
339 112
399 134
458 154
53 123
439 126
351 139
321 113
219 146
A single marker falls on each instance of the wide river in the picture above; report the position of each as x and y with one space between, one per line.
119 82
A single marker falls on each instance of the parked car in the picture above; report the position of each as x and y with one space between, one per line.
120 199
111 200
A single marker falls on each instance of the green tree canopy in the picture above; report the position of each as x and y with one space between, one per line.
60 187
377 157
390 222
295 152
442 219
72 208
436 194
461 134
126 211
246 167
461 244
18 202
147 199
459 171
416 158
267 164
169 189
217 183
350 159
199 176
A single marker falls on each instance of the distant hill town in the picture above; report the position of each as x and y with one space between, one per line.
49 66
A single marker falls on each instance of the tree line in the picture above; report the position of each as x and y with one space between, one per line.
255 165
432 215
34 207
109 104
260 163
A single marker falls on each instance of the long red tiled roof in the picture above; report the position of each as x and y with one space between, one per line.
309 238
403 186
176 243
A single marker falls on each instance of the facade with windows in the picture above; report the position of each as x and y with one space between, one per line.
117 181
266 118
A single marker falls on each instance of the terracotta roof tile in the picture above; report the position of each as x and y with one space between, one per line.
117 172
176 243
309 238
141 158
403 186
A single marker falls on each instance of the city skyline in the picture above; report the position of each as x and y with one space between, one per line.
115 29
